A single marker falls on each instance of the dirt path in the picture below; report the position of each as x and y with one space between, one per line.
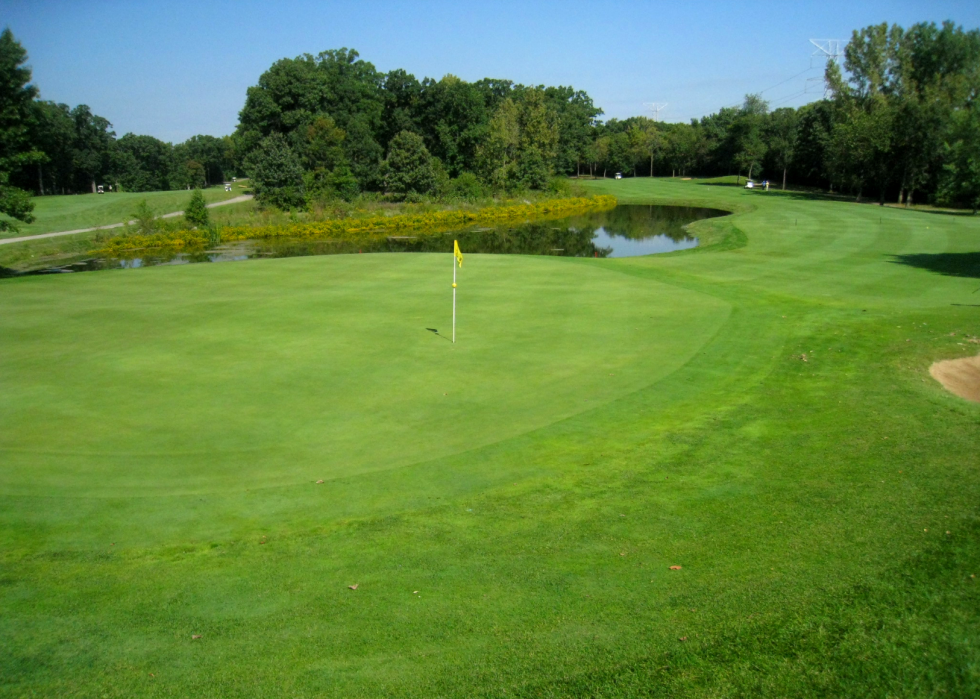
5 241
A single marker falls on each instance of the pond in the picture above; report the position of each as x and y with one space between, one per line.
625 231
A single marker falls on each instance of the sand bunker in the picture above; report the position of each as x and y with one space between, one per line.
959 376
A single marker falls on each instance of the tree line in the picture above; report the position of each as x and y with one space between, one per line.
333 125
901 122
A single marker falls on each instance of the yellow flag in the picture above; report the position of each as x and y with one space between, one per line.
457 254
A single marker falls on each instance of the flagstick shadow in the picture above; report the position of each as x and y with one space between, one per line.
436 333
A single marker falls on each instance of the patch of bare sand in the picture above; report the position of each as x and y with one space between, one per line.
959 376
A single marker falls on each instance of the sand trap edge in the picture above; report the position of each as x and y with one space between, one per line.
959 376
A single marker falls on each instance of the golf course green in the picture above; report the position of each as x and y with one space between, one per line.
724 471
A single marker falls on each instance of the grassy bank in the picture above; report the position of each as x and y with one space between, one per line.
757 412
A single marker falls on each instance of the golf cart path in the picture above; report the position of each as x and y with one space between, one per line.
5 241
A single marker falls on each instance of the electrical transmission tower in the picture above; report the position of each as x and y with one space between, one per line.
828 50
655 108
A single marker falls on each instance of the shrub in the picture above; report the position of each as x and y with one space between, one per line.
467 186
212 236
196 213
559 186
145 221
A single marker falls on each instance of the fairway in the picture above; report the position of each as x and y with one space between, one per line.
69 212
500 517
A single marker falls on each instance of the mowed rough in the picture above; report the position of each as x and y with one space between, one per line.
501 517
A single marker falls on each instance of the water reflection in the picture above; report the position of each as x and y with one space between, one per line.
626 231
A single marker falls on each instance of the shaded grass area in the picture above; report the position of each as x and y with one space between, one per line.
956 264
509 507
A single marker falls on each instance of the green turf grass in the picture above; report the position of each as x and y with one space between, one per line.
70 212
509 506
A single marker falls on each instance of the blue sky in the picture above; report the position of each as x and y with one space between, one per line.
176 69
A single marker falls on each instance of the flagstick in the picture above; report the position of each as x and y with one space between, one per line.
454 299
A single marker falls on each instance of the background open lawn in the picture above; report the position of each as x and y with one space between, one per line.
508 507
70 212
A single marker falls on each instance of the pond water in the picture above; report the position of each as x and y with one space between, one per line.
625 231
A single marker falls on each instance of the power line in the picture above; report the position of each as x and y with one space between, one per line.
791 97
786 80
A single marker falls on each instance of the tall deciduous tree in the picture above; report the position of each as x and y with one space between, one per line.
575 116
16 111
521 144
453 119
143 163
960 182
646 141
746 134
91 148
780 132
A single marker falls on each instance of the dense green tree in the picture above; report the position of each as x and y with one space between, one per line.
812 138
363 153
720 133
620 157
780 135
402 94
746 134
688 147
521 143
960 181
327 173
453 119
16 115
294 92
494 92
92 147
896 102
859 153
408 167
53 134
599 154
538 138
576 117
935 65
276 172
646 142
189 174
323 145
211 152
142 163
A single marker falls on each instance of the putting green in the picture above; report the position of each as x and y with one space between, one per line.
209 377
